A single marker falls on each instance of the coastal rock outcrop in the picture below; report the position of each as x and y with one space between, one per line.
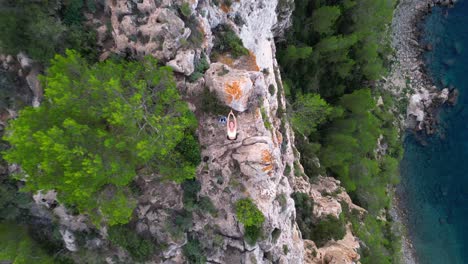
408 79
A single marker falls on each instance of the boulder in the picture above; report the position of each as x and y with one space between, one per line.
69 240
233 87
183 62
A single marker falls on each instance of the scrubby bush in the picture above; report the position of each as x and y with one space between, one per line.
139 248
211 104
226 40
251 217
318 230
304 213
193 251
201 65
328 229
185 9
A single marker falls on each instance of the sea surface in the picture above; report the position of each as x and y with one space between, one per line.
434 185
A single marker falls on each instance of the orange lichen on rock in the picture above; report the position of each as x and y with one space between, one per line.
279 137
257 113
233 91
251 62
226 59
267 158
268 168
225 8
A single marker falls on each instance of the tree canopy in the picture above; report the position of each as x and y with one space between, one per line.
17 247
96 126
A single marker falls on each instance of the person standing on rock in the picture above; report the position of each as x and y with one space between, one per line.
231 126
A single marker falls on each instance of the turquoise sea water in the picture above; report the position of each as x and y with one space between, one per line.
434 183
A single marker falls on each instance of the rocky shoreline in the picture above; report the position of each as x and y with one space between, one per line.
409 80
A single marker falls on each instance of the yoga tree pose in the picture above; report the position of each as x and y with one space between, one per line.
231 126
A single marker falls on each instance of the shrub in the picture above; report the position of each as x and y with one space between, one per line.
226 40
271 89
304 209
211 104
285 249
206 205
275 235
139 248
248 214
193 251
318 230
185 9
179 223
327 229
282 200
191 189
252 233
200 68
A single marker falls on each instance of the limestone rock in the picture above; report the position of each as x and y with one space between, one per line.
234 88
343 251
69 240
183 62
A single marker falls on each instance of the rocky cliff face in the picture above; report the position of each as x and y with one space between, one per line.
182 34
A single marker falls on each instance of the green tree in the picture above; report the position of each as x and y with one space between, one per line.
95 127
309 111
43 28
324 18
17 247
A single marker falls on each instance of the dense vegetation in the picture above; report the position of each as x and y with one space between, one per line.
251 217
318 230
43 28
226 40
334 51
99 124
139 248
17 247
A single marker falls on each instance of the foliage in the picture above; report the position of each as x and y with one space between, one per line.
139 248
193 252
97 125
248 214
324 19
334 49
12 202
211 104
309 111
318 230
251 217
185 9
304 209
226 40
17 247
192 201
349 44
382 247
42 28
201 66
328 229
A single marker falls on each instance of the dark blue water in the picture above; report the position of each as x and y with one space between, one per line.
435 177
